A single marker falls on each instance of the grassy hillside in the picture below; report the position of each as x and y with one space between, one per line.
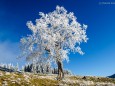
29 79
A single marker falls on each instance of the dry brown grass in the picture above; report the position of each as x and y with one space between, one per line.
29 79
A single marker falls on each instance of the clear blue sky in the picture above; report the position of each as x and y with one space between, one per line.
99 58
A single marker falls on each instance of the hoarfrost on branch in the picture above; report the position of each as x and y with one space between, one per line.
54 35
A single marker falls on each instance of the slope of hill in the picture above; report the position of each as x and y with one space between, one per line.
29 79
112 76
6 69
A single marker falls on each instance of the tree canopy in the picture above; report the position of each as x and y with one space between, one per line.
54 35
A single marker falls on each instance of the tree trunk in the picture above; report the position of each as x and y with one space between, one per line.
60 70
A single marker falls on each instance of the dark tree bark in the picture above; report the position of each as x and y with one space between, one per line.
59 64
60 70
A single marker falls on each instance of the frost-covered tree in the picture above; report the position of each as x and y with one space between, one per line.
17 67
54 35
9 67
